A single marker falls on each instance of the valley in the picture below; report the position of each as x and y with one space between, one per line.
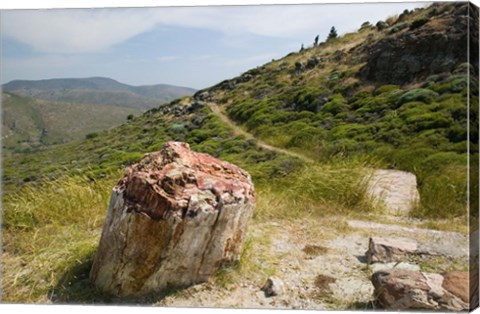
37 114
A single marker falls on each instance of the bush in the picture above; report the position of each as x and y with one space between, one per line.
443 194
418 23
419 94
398 27
437 161
428 121
335 105
386 89
91 135
177 127
454 84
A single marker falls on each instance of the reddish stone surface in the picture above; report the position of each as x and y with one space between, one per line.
399 289
161 184
456 282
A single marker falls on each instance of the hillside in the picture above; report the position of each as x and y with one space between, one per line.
98 90
309 128
41 113
30 124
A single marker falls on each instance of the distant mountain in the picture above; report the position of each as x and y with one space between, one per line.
46 112
97 90
30 123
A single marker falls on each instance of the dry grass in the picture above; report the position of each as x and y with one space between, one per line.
48 232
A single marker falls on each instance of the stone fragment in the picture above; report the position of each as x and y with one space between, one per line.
273 287
389 250
400 289
173 220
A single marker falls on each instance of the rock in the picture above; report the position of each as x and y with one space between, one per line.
400 289
456 282
273 287
387 266
173 220
202 95
194 106
389 250
393 189
388 60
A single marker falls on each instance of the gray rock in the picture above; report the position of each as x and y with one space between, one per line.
273 287
389 250
387 266
395 190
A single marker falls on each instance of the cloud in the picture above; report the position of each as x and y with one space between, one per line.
75 31
167 58
95 30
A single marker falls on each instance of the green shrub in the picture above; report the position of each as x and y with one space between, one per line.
419 94
386 89
91 135
418 23
437 161
335 105
306 137
428 121
443 194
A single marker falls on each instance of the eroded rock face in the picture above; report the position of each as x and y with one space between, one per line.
400 289
173 220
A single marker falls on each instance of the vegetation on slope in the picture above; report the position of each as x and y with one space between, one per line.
31 124
326 102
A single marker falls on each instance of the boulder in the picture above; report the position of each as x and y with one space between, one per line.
385 250
173 220
400 289
395 190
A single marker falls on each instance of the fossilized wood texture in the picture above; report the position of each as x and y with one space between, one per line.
173 220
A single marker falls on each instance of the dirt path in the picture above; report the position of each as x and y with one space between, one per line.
239 131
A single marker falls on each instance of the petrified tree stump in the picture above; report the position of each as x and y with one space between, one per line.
173 220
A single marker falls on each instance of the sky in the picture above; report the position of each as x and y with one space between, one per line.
187 46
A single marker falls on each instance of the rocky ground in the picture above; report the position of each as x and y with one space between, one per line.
321 263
